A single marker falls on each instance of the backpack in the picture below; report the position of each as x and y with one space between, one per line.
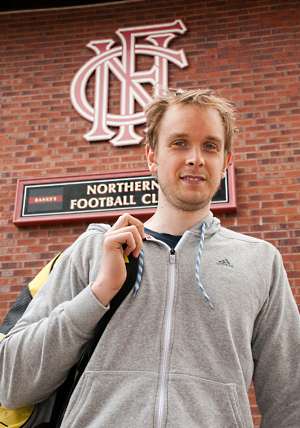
18 418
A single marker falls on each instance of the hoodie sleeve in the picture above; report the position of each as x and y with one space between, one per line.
37 354
276 350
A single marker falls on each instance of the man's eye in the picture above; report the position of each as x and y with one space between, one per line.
211 147
179 143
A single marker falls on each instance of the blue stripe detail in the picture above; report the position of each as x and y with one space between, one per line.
198 264
139 275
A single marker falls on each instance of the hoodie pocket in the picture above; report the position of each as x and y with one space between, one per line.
195 402
112 399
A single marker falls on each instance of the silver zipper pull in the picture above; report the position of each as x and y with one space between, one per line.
172 256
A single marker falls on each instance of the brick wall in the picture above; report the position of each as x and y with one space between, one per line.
247 50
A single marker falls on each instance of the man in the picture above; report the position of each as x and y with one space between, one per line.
183 349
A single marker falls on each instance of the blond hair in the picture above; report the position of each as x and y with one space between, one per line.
201 97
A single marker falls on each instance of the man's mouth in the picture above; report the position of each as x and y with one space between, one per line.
192 178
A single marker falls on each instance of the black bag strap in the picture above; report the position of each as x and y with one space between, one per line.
16 311
20 305
65 391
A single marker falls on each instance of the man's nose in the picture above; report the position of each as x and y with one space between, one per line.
195 157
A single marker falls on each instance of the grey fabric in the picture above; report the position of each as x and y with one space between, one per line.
166 359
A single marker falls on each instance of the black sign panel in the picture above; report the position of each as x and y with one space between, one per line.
88 196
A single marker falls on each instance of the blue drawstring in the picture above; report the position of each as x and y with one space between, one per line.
140 270
139 275
198 261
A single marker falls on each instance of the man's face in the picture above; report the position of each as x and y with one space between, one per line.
189 158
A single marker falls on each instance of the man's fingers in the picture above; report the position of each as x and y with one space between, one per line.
127 223
128 220
117 242
128 238
124 238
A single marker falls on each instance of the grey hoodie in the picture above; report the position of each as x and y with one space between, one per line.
168 357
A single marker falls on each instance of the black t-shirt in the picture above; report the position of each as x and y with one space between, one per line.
171 240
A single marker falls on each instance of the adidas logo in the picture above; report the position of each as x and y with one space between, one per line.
225 262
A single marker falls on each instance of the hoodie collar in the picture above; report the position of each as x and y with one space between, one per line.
212 226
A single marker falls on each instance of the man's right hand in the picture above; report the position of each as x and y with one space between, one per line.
124 238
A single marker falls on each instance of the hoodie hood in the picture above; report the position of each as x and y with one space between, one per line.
98 227
212 225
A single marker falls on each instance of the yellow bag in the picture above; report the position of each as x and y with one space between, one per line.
15 418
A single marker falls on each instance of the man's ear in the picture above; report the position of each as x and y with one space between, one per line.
227 159
151 160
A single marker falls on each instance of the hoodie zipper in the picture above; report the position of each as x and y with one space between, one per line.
163 376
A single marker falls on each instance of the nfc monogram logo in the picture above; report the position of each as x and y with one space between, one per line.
120 61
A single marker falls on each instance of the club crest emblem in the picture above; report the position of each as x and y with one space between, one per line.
120 61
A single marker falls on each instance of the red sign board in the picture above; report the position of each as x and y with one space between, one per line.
100 198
